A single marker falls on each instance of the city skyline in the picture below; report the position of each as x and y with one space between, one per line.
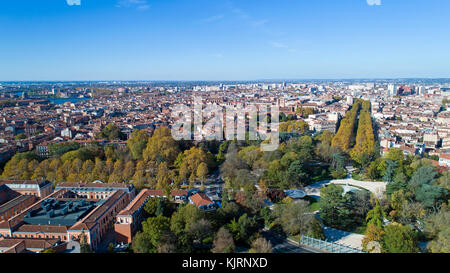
143 40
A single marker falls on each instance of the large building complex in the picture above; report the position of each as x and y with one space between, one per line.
82 212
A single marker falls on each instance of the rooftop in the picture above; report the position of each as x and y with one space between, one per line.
59 212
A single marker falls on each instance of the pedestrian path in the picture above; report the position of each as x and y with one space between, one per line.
341 237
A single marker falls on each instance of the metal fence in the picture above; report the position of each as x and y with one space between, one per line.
328 246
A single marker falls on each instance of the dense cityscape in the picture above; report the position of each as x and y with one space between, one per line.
224 135
362 166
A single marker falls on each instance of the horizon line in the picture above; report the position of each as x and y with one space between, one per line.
248 80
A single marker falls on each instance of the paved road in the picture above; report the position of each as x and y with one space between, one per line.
281 245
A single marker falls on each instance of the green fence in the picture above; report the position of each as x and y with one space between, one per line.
328 246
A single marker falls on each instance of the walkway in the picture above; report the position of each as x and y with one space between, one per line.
378 188
353 240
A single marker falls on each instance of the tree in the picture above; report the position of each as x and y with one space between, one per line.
443 181
167 244
396 154
261 245
161 147
412 213
193 158
375 234
365 139
163 176
244 228
297 174
155 227
151 206
230 210
200 229
334 209
376 216
294 218
142 243
291 126
250 154
360 206
338 161
223 242
390 170
400 239
442 242
111 132
437 222
182 219
137 143
437 229
84 244
315 229
232 163
86 170
346 133
129 170
430 195
423 176
139 177
161 207
400 183
202 172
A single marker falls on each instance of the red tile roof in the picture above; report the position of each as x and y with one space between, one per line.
200 199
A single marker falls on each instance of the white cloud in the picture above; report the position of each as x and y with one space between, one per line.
213 18
73 2
374 2
143 7
278 45
138 4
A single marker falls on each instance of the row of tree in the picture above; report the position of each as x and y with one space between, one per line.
365 138
345 136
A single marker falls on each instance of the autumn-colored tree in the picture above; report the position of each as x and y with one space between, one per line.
42 170
193 158
128 170
202 172
373 239
163 176
137 143
87 170
346 132
291 126
139 177
261 245
161 147
223 242
365 138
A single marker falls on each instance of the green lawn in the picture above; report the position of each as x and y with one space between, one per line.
313 203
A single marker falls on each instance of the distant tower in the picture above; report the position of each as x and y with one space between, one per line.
349 100
392 90
421 90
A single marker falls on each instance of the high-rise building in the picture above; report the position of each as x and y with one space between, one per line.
421 90
392 90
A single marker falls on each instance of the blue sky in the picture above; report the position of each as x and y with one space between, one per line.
223 39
